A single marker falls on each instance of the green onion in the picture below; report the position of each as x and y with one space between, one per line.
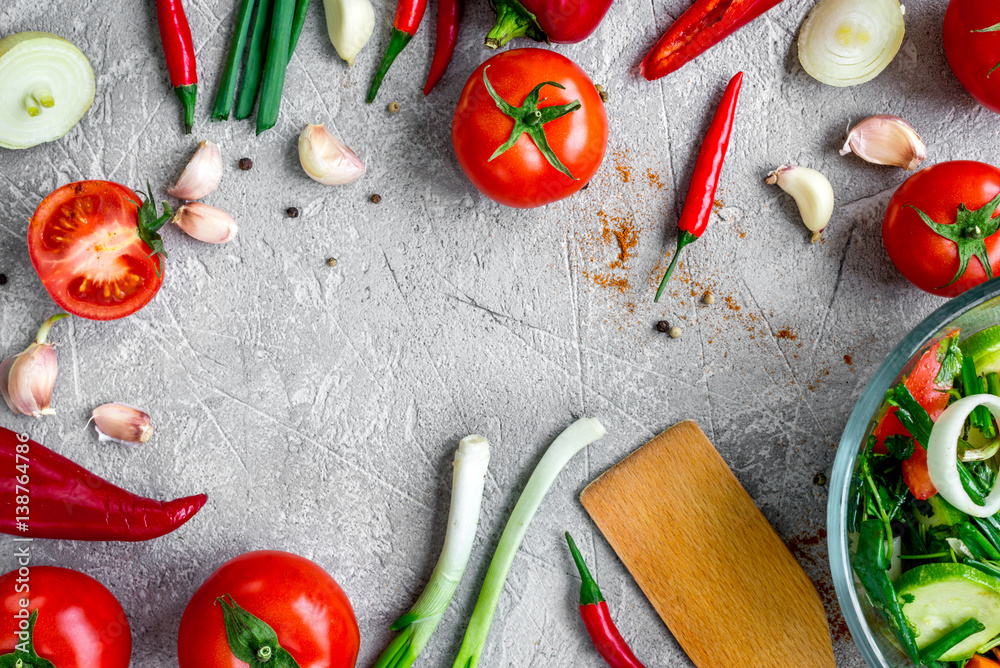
255 59
577 436
993 383
418 625
227 85
960 633
273 84
297 22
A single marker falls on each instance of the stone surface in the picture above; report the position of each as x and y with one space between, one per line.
319 406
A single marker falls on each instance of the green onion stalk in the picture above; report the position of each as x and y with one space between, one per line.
418 625
576 437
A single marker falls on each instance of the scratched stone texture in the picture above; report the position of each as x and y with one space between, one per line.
319 407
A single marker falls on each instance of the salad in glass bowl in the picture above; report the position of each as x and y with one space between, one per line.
923 521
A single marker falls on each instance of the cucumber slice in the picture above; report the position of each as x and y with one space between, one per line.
48 85
942 513
938 597
984 348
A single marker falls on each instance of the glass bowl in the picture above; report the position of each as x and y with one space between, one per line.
971 312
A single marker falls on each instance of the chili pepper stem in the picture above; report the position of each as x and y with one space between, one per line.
590 593
187 95
683 239
513 20
397 43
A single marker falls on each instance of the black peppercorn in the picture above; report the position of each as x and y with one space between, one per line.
292 212
819 479
246 164
376 199
3 279
663 326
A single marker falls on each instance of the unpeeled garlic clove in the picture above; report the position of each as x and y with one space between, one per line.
886 140
201 175
122 423
326 159
206 223
812 193
28 379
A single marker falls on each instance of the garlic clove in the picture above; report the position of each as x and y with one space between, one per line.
886 140
202 174
812 193
326 159
4 375
32 379
206 223
350 24
122 423
27 380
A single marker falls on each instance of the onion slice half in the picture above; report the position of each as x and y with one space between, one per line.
849 42
942 455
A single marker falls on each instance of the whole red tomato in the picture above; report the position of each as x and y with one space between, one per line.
79 623
303 610
960 199
559 134
95 251
972 45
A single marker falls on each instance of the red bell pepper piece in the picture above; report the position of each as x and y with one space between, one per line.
702 26
700 198
560 21
596 617
922 384
179 50
45 495
449 13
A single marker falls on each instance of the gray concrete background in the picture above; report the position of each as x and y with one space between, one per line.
319 407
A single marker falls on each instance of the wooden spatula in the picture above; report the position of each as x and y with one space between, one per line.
702 552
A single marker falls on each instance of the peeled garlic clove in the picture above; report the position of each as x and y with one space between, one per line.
886 140
4 375
326 159
202 174
29 378
206 223
122 423
350 24
812 193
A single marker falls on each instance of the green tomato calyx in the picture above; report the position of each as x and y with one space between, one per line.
969 232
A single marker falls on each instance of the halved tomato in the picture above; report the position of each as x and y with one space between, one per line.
95 246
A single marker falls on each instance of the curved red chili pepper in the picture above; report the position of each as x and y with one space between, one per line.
449 12
409 14
560 21
179 50
702 26
705 181
597 618
45 495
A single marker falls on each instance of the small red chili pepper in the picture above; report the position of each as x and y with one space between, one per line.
705 180
45 495
179 50
597 618
449 12
409 14
702 26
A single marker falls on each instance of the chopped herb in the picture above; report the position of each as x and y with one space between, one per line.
911 414
900 447
950 356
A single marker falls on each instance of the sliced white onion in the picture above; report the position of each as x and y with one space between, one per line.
849 42
46 86
942 455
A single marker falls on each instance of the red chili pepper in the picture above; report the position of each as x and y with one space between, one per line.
597 618
409 14
705 180
560 21
179 50
45 495
702 26
449 12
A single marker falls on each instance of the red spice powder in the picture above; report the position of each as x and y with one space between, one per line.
786 333
848 360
